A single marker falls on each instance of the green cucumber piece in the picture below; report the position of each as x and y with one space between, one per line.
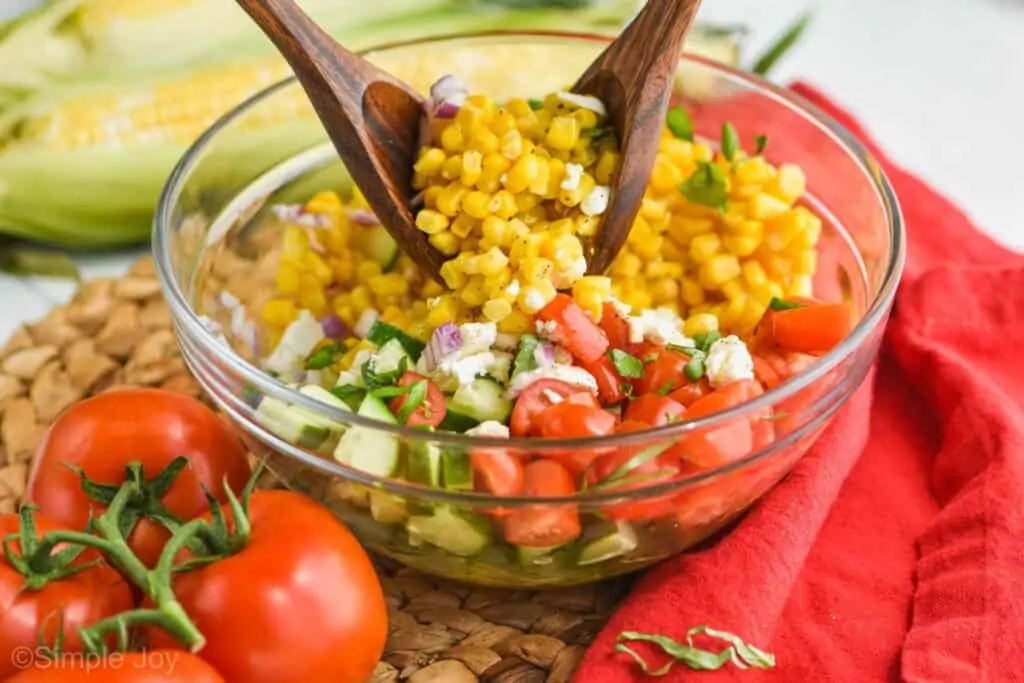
456 472
482 400
369 449
387 508
454 421
381 333
607 543
298 425
424 464
380 246
537 557
459 533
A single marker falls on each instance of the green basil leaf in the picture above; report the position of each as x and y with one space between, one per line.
679 123
626 365
730 141
777 304
535 104
666 389
706 186
762 144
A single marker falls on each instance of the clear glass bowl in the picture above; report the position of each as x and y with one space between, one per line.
216 244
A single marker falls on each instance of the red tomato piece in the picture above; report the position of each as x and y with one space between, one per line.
433 409
715 446
610 385
616 329
154 666
574 329
497 471
568 420
654 410
663 370
541 395
765 372
814 328
544 526
689 393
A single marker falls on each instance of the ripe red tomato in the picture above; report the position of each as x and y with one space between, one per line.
433 409
156 666
569 420
654 410
103 434
574 329
616 329
544 526
719 445
663 370
84 598
497 471
300 602
689 392
610 385
538 397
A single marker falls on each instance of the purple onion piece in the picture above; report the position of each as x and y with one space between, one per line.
448 88
446 110
544 354
445 340
334 327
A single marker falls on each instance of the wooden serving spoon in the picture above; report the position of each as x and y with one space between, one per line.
373 118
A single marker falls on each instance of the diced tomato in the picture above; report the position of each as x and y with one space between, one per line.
714 446
663 370
497 471
664 467
543 526
654 410
690 392
574 329
812 327
609 383
568 420
541 395
433 409
765 372
616 329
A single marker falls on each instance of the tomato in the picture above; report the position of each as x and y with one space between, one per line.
616 329
663 368
544 526
497 471
299 602
690 392
719 445
609 383
155 666
765 372
574 329
570 420
84 598
537 397
664 467
812 327
103 434
654 410
433 409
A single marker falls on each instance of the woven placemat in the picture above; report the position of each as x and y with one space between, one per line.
118 333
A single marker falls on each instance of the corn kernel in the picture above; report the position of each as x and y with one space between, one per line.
522 174
606 168
564 133
754 274
664 291
442 309
445 242
475 204
626 264
740 246
491 262
691 292
719 269
512 145
449 200
463 226
452 139
586 117
287 278
314 300
516 322
473 293
472 168
295 243
801 285
430 162
279 313
764 207
806 263
789 184
701 323
452 274
536 296
703 247
503 204
665 176
431 222
484 141
496 310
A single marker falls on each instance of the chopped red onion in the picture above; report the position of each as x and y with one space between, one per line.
544 354
446 339
446 110
334 327
297 214
362 217
448 90
365 322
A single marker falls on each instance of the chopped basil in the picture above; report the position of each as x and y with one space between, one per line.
417 397
374 380
695 368
626 365
626 388
704 341
637 461
762 144
706 186
740 654
777 304
535 104
324 357
679 123
665 390
679 349
526 358
381 333
730 141
650 358
352 396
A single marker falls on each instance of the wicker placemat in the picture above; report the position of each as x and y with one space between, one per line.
118 332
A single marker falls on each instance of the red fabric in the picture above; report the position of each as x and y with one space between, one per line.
895 549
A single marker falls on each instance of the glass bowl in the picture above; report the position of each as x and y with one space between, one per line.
216 244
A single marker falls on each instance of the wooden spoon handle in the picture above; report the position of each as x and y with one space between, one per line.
373 119
634 77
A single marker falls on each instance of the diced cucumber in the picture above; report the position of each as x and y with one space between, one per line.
455 421
381 333
388 358
387 508
459 533
456 472
368 449
537 557
482 400
380 246
607 543
424 464
298 425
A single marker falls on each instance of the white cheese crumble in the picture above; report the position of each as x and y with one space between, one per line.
296 343
620 307
513 288
489 428
660 326
477 337
452 372
728 361
534 300
566 373
573 174
597 201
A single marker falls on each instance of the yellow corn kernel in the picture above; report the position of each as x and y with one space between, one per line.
703 247
564 133
430 162
590 292
496 164
522 174
475 204
512 145
495 232
503 121
764 207
472 167
496 310
719 269
496 284
691 227
607 166
736 308
442 309
295 243
666 176
516 322
279 313
287 278
483 140
637 298
524 248
733 288
691 292
326 203
318 269
627 264
663 269
449 200
702 152
445 242
452 273
701 323
754 274
664 291
474 292
463 226
452 168
539 183
314 300
587 226
431 222
389 284
535 269
801 285
738 245
789 184
491 262
536 296
752 171
452 139
574 197
805 263
503 204
584 154
586 117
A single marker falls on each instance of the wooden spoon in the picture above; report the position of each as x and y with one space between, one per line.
634 77
373 119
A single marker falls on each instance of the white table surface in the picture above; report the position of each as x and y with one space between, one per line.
935 81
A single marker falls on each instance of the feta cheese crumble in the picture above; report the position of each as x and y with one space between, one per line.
597 201
728 361
660 326
566 373
477 337
491 429
573 174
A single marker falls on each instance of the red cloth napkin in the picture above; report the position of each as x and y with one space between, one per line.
895 549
